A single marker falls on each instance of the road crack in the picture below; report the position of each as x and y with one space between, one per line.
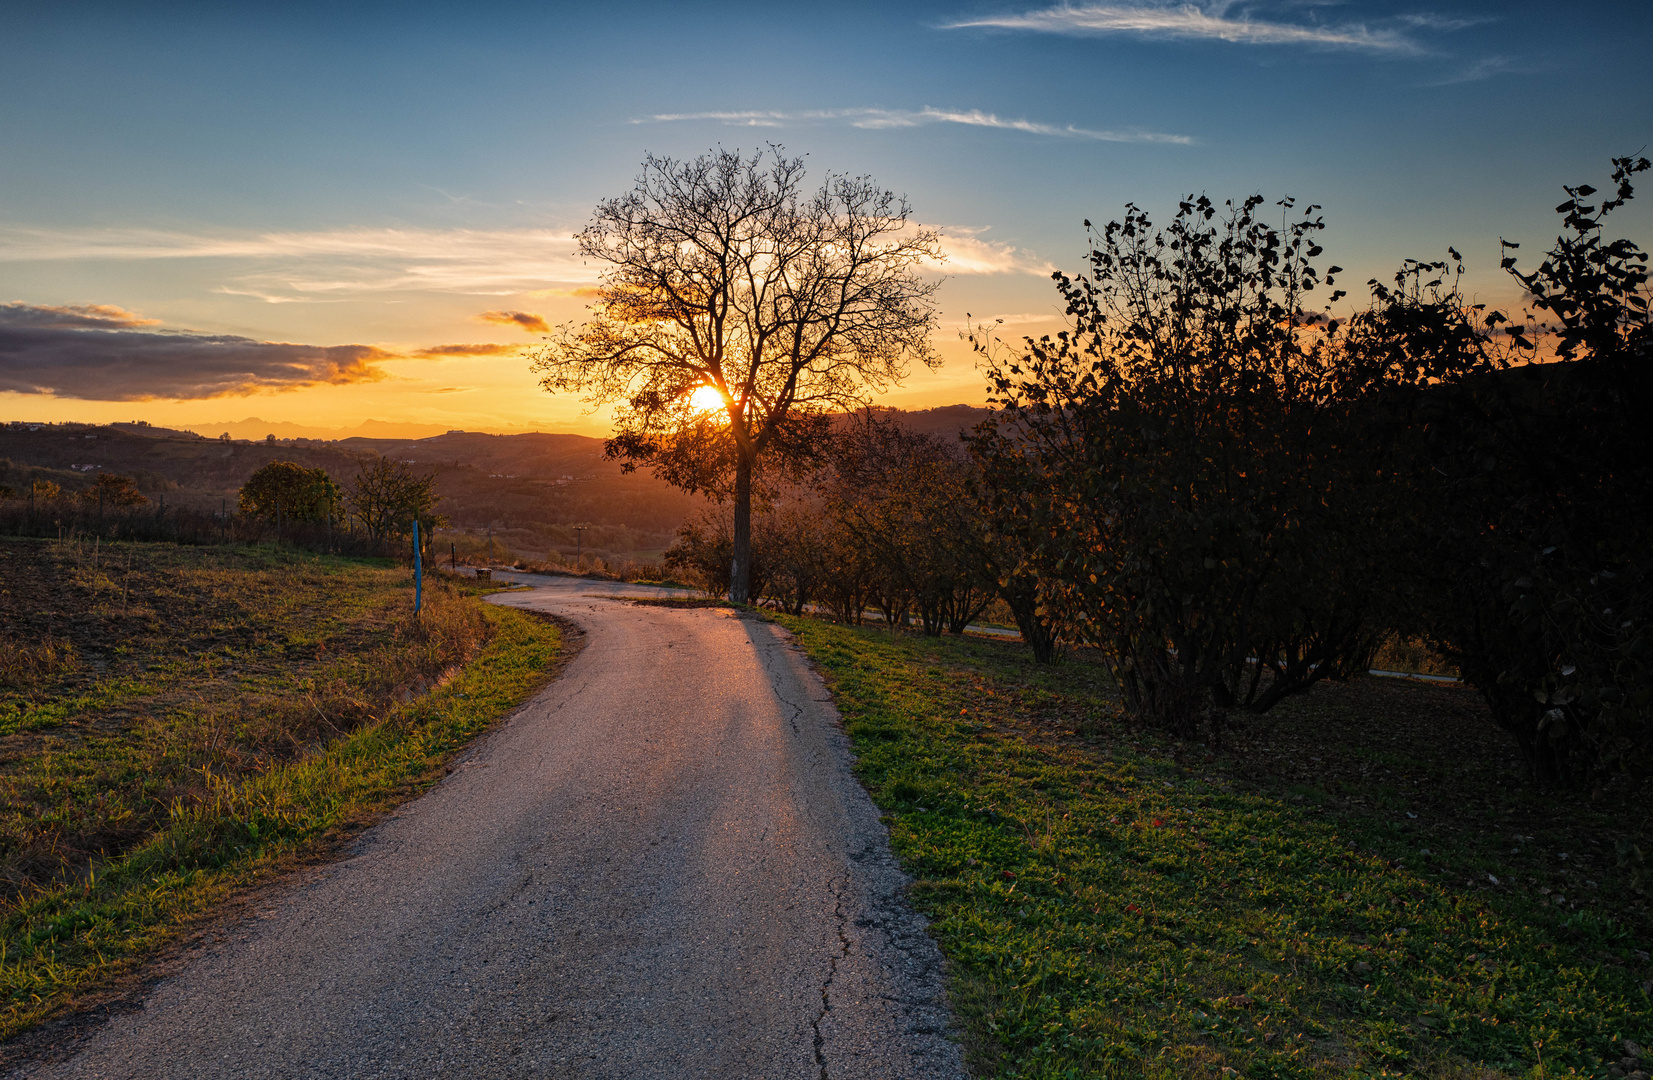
840 922
767 652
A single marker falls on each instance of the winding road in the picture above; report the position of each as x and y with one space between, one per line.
659 867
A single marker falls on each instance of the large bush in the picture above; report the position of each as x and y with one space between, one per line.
1532 465
1179 465
1235 495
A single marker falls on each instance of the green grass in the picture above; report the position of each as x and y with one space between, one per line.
249 812
1115 906
23 715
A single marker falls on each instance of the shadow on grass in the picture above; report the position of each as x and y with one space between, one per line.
1115 904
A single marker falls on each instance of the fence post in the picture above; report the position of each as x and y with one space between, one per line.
418 571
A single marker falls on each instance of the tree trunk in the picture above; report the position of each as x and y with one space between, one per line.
740 566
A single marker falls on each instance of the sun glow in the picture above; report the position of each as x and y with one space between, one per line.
706 399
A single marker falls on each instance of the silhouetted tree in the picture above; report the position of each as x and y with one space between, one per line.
1529 454
705 547
722 273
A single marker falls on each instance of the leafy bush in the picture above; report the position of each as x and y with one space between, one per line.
284 491
1180 468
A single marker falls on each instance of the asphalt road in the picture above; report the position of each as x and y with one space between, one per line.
661 867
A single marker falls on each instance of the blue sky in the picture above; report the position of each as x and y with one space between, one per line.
380 176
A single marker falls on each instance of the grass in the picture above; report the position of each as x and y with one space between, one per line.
269 705
1313 901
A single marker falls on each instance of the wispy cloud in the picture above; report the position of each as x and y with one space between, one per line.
584 292
876 119
332 264
482 349
99 353
1022 318
71 317
526 320
1485 68
968 253
1220 20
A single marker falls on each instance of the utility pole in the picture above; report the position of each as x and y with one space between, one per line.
579 544
418 571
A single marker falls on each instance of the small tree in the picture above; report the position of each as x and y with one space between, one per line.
388 496
289 492
113 490
724 277
908 498
704 548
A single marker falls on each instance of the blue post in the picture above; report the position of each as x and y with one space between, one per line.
418 570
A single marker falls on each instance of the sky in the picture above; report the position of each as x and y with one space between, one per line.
329 214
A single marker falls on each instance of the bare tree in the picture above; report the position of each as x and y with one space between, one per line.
387 496
724 278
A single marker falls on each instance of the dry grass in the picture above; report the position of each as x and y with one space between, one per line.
163 674
25 664
234 712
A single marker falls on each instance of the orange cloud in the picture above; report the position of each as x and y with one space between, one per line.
529 322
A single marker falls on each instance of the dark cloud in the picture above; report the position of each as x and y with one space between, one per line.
531 323
94 353
468 350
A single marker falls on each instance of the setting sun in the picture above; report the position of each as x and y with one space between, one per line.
706 399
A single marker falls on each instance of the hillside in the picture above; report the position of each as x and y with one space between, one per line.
529 490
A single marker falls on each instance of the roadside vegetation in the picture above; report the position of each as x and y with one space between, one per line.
1358 884
178 723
